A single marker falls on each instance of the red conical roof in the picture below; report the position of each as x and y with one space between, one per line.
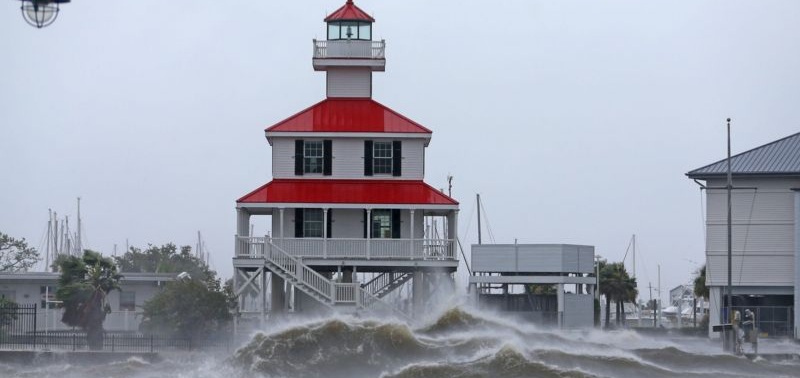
349 12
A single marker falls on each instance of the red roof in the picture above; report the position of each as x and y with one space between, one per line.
349 12
363 115
406 192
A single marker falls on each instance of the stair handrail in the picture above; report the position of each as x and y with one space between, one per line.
301 272
366 301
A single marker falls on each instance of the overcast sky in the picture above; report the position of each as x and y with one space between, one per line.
575 120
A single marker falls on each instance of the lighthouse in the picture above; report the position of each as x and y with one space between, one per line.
352 220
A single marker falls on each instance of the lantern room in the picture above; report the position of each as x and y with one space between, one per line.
349 23
349 42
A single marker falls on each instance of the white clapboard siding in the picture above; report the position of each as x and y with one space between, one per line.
752 238
348 159
348 224
349 82
751 206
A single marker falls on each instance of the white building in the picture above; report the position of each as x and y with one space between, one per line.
766 229
351 217
126 305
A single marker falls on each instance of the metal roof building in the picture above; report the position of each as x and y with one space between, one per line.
781 157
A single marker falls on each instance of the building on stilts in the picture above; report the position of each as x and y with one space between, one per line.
351 219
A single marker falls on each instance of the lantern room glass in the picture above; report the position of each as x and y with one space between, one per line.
354 30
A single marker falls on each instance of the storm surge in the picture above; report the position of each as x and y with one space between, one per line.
461 343
457 343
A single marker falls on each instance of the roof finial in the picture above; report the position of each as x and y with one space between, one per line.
349 1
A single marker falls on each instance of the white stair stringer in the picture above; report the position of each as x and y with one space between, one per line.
324 290
386 282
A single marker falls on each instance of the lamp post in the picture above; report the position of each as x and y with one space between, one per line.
40 13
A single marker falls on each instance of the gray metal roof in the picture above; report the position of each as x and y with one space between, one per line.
779 158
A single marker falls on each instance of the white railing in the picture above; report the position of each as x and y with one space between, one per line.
301 272
344 293
392 249
349 49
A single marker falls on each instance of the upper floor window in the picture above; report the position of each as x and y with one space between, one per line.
313 157
382 158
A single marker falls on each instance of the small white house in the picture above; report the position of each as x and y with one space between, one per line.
126 305
765 232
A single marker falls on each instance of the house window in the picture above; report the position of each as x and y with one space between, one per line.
312 157
382 158
127 300
312 223
48 296
381 224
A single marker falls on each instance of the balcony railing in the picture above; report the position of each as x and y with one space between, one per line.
349 49
391 249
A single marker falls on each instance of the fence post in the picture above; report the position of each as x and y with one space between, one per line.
113 338
74 338
34 326
151 343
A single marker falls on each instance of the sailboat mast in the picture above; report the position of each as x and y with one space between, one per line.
78 243
478 200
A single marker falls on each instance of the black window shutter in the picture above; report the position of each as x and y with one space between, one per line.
298 223
298 157
397 156
395 223
327 158
365 223
329 223
367 158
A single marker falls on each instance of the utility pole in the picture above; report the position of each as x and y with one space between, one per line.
659 293
650 286
729 187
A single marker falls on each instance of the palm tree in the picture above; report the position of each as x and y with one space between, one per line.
83 286
616 285
700 288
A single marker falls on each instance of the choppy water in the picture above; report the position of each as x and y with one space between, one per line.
456 344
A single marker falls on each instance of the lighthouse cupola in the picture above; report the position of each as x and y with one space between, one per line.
349 23
349 55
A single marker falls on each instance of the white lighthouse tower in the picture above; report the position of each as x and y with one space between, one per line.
351 217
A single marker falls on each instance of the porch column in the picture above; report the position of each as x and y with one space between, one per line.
263 296
369 231
417 293
281 232
452 234
324 233
560 298
278 300
242 230
411 233
797 264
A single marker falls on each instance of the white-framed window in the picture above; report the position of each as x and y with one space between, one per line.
382 158
127 301
313 156
312 223
381 224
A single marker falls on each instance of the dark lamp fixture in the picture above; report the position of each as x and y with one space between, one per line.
40 13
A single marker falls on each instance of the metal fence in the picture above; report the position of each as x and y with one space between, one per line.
18 331
771 321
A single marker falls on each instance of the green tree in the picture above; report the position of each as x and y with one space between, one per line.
8 313
83 286
164 259
700 288
16 255
191 308
617 286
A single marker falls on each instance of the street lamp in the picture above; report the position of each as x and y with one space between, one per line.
40 13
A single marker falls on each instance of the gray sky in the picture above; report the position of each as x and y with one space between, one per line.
575 120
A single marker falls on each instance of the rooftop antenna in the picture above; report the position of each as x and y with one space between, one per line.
449 185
